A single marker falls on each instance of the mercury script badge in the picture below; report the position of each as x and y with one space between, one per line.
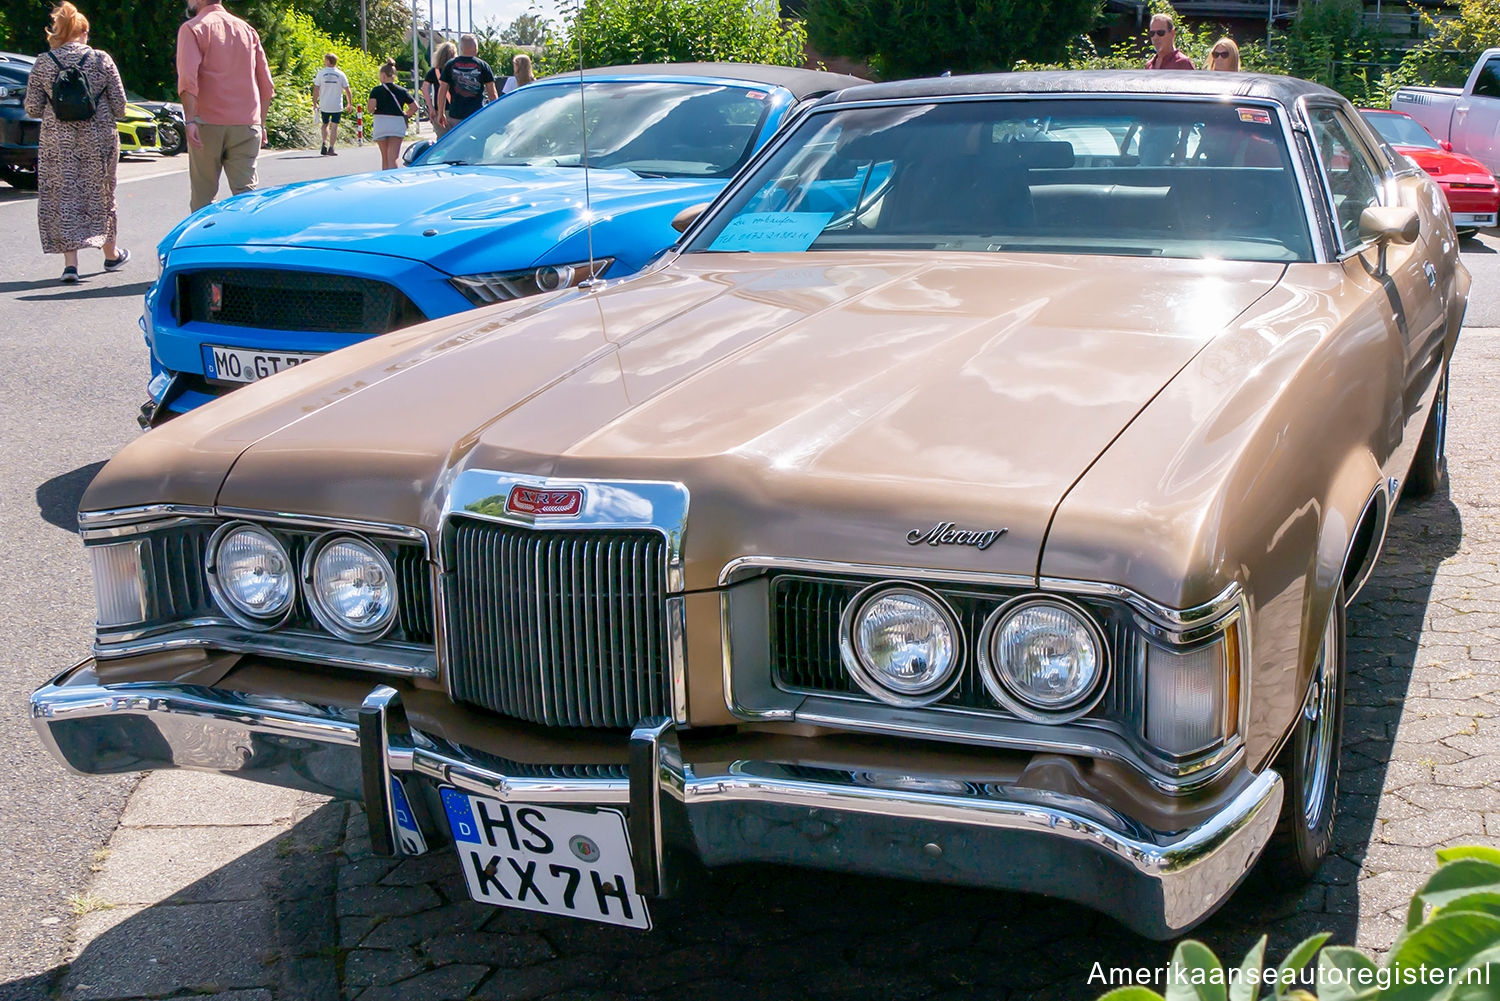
946 533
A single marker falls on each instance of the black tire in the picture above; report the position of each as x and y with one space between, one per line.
18 177
1304 831
1429 470
172 139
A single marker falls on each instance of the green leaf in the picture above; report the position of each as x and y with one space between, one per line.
1301 954
1244 989
1482 852
1482 902
1453 880
1132 994
1203 973
1447 942
1479 980
1340 971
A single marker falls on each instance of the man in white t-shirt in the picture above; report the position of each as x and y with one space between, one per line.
331 90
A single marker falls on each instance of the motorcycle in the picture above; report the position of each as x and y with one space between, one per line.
171 130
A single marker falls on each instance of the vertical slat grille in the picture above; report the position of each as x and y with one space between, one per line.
560 628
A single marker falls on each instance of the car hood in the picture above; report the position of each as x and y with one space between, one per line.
1446 166
458 219
832 406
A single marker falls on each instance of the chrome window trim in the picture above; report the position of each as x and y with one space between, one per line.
1198 623
1282 112
1383 189
656 505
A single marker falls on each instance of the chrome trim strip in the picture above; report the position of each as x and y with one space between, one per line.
1158 882
745 566
91 523
1181 626
316 522
677 657
375 767
403 660
1384 492
624 504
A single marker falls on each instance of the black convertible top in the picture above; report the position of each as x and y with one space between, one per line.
802 83
1284 90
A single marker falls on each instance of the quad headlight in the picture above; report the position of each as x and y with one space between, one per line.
1044 659
901 643
250 575
351 588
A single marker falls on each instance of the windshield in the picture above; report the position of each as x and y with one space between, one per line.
652 128
1401 130
1146 177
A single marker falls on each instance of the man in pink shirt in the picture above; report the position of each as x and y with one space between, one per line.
1164 41
226 91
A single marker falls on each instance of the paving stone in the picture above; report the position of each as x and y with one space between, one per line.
1436 827
387 900
411 929
147 865
160 950
367 967
488 947
447 983
194 799
435 865
545 979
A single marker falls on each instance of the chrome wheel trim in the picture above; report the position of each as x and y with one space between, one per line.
1318 721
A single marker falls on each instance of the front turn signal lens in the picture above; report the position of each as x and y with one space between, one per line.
1192 697
119 585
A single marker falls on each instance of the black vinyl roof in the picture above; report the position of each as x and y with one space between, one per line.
1194 83
802 83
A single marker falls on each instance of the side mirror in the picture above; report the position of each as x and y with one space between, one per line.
1447 146
1383 226
688 216
415 150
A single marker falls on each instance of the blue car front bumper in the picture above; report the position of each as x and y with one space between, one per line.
178 333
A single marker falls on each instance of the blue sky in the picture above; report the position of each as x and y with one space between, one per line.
501 11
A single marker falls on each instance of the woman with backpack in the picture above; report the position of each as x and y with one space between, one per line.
77 93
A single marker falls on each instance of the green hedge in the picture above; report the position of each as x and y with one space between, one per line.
295 50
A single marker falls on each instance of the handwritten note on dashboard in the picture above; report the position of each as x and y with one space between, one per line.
771 232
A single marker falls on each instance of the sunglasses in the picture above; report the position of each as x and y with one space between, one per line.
1158 32
1219 55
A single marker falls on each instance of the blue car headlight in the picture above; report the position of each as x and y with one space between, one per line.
502 286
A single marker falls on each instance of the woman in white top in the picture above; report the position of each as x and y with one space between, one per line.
521 67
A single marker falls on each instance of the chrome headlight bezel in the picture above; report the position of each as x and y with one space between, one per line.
317 604
250 620
867 676
1010 696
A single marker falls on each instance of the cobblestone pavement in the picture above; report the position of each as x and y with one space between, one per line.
307 912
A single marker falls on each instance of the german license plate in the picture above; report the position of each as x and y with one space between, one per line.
221 364
546 858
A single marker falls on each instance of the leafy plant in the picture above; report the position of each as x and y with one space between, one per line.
902 38
290 123
617 32
1132 53
1450 951
296 53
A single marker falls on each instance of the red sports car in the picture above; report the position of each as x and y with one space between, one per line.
1473 196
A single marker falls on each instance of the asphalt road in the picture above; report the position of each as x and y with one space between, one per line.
74 370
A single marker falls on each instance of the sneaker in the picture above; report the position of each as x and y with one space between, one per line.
323 150
69 276
116 263
332 151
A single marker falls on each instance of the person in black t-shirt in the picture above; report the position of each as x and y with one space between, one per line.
432 81
392 107
466 82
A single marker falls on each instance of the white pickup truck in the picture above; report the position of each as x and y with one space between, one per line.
1468 119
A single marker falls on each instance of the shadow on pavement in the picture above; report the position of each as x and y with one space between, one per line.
313 914
1474 246
57 499
72 293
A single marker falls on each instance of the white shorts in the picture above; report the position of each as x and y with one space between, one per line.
389 127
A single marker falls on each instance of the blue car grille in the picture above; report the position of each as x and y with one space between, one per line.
293 300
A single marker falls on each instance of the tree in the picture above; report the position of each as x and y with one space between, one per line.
387 23
1328 43
616 32
1453 44
528 29
902 38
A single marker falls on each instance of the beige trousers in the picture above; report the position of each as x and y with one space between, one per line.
231 148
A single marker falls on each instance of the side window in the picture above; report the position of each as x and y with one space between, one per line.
1487 84
1354 179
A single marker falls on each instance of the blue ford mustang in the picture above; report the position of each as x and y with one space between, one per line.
495 210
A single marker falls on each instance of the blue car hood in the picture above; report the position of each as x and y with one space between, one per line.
460 220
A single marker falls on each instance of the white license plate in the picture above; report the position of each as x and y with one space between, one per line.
1474 219
239 365
546 858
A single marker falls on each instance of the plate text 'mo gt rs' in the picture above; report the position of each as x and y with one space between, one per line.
946 533
544 503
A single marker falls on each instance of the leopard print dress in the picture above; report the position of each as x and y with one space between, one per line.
77 160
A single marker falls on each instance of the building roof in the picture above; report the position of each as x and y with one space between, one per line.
802 83
1282 89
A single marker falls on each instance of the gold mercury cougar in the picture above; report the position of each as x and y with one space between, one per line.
973 494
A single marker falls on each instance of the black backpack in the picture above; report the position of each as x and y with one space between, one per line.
72 101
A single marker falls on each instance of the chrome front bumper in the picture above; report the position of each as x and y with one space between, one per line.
821 816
